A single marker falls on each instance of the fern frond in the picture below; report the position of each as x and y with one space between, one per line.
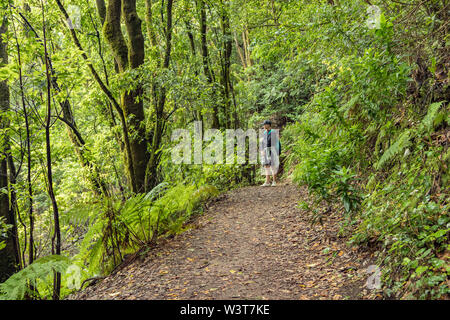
402 142
380 137
427 123
156 191
16 286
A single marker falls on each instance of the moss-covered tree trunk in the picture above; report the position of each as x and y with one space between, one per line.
7 254
129 55
149 20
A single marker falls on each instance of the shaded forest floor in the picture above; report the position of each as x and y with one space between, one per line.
250 243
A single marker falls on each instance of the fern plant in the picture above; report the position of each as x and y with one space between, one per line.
397 147
39 273
429 121
91 247
432 118
138 221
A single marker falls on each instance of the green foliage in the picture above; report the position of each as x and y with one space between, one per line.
178 204
3 231
39 274
404 139
413 226
138 221
362 142
322 165
397 147
344 179
433 118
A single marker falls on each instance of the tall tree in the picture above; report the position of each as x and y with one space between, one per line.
208 72
9 256
160 101
31 252
226 60
130 55
56 238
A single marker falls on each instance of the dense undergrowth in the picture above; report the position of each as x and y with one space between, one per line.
136 225
380 149
402 206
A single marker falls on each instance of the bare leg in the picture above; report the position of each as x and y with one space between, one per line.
267 174
274 174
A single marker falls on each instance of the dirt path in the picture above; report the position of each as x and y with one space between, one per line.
252 243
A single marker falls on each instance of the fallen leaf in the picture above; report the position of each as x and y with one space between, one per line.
114 294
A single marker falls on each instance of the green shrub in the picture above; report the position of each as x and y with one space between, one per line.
362 142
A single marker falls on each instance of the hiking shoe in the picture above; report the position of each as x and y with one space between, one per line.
274 184
265 184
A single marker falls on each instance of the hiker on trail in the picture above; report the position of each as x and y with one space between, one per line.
270 153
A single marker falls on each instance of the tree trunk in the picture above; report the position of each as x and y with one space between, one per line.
226 61
160 121
56 238
130 56
9 254
101 8
205 55
149 21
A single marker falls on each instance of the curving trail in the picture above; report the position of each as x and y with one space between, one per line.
251 243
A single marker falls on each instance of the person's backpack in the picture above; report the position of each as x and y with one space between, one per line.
279 143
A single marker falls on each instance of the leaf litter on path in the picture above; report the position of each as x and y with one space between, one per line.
252 243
